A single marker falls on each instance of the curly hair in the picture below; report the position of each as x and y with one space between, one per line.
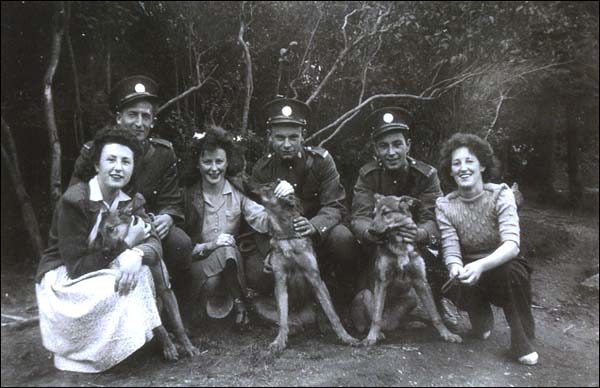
114 134
477 146
117 135
214 137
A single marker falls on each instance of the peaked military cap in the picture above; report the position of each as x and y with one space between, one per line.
286 110
130 89
386 120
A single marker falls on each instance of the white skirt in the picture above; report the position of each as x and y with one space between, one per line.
87 325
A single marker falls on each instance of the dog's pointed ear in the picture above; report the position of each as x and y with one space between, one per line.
378 197
127 209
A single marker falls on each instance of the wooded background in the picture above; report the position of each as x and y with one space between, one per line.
522 74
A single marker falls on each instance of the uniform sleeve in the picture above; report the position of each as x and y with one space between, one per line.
332 196
73 245
450 240
169 199
508 218
429 193
255 214
259 176
363 204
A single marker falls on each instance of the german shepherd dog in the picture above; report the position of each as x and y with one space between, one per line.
114 227
294 265
396 258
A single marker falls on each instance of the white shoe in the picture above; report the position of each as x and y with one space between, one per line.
529 359
486 335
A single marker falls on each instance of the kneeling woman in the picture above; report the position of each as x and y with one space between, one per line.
215 206
97 307
480 241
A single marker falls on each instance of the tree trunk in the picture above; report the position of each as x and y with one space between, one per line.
249 78
11 161
575 187
108 75
77 116
58 26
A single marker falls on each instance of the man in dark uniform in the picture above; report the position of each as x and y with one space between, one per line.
312 172
134 102
395 173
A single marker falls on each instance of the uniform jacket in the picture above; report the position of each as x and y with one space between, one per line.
316 181
420 181
156 177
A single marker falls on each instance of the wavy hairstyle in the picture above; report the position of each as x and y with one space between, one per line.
214 137
477 146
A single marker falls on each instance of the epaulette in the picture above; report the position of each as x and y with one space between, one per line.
421 167
369 168
322 152
162 142
89 145
262 162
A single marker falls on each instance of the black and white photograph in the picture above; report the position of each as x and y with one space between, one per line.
300 193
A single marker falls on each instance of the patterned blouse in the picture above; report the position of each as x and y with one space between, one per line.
475 227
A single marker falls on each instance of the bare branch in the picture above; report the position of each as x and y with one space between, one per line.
363 104
187 92
348 46
537 69
338 129
303 68
58 28
248 61
503 96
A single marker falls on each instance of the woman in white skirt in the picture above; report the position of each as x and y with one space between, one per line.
97 306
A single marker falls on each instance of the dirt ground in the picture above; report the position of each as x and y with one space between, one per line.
561 246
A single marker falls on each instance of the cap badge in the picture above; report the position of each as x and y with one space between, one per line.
140 88
287 111
388 117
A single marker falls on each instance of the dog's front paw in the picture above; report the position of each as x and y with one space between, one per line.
351 341
278 345
448 336
170 352
369 341
191 350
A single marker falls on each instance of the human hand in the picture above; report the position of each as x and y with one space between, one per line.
224 239
163 224
455 270
471 273
304 227
407 228
130 263
138 231
283 188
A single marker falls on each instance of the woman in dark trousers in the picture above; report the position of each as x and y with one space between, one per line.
480 242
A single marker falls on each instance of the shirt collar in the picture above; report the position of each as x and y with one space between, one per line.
96 194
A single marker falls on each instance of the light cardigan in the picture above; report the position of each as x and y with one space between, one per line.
475 227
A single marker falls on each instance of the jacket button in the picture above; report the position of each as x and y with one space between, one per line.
155 192
395 182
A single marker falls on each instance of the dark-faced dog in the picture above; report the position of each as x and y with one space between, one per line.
114 227
294 265
397 259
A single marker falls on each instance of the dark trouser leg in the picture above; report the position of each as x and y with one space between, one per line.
340 251
230 276
512 292
507 286
177 255
437 275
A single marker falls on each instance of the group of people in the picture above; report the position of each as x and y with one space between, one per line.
97 305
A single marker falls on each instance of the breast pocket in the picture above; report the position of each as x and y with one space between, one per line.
233 215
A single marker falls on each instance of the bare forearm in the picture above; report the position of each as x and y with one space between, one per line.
505 252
